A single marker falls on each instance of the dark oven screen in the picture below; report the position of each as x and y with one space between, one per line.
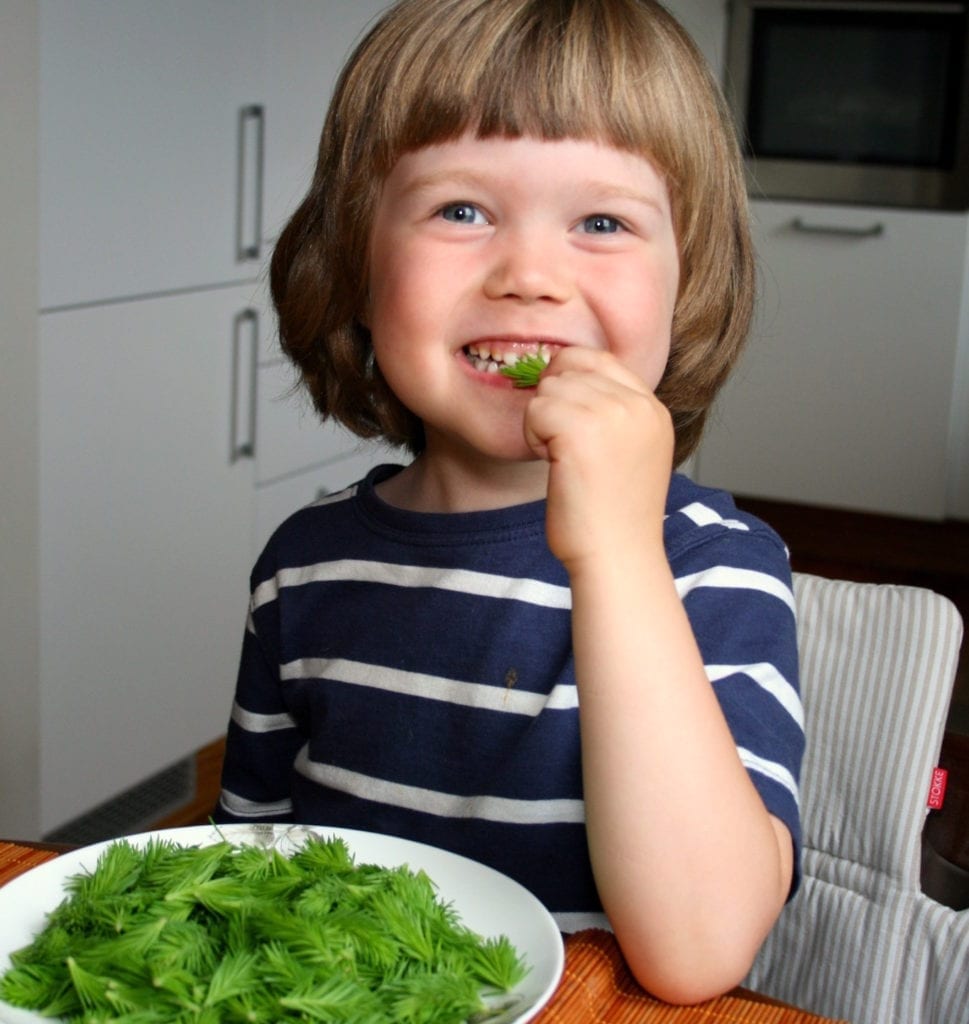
862 86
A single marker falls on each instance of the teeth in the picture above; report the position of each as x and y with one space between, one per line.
484 359
485 365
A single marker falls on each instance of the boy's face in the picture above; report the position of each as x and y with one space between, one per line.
486 246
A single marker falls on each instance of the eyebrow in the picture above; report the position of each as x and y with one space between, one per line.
434 179
610 191
471 179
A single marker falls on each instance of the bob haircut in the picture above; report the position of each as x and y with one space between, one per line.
618 72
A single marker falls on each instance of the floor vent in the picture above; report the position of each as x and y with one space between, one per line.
133 811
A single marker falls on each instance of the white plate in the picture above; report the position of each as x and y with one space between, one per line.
488 902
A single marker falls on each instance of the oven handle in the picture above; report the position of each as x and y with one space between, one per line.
846 231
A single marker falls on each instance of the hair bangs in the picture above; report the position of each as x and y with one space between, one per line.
551 69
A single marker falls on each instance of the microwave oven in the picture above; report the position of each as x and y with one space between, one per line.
853 101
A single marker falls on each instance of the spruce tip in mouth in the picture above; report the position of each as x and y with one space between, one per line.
522 366
526 372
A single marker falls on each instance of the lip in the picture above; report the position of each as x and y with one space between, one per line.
518 343
496 350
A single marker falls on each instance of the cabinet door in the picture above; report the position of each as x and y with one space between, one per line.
145 539
844 395
298 457
149 149
291 437
307 43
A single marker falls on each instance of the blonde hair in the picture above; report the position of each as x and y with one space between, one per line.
620 72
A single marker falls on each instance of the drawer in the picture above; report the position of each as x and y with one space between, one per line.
290 437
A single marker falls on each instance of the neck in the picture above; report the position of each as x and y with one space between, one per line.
433 483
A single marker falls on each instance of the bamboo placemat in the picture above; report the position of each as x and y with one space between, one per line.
596 988
16 859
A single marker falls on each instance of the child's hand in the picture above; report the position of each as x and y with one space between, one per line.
609 443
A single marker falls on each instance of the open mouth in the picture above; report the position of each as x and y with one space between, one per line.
493 358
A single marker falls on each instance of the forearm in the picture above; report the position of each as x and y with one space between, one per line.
690 866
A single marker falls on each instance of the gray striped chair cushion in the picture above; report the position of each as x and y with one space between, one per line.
860 941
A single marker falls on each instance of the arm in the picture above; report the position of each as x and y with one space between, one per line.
261 742
691 868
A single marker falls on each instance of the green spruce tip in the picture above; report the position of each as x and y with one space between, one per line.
226 932
526 372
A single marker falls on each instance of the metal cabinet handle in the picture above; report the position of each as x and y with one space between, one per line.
846 231
249 182
245 327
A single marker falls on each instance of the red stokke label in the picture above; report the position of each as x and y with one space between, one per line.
937 790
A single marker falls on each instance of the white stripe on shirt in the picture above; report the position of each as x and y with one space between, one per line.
419 684
703 515
243 808
729 577
444 805
332 499
464 581
766 676
252 721
769 769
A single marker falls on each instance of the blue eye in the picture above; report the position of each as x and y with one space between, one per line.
462 213
601 224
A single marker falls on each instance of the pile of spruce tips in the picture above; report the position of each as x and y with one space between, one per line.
223 933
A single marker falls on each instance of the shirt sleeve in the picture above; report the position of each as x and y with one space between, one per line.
736 586
263 738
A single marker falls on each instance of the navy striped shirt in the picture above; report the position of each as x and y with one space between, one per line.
412 674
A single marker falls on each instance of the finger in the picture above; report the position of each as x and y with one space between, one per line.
582 360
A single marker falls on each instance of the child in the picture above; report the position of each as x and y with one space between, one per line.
535 644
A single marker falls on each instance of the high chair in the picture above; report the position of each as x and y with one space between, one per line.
861 941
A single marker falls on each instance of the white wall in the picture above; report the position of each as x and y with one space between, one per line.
957 499
19 698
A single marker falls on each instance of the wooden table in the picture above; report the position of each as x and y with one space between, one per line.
596 986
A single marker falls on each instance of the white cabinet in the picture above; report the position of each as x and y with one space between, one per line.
171 134
307 42
291 437
845 394
297 458
177 137
144 540
168 456
149 146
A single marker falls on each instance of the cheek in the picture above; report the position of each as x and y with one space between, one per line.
652 360
391 315
404 290
642 319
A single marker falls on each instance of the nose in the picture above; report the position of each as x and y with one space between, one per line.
530 267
